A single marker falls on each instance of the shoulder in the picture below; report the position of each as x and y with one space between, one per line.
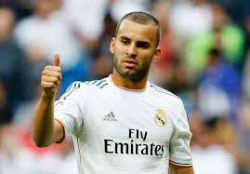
173 103
73 89
96 84
169 100
86 87
164 94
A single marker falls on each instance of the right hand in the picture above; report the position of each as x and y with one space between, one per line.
51 78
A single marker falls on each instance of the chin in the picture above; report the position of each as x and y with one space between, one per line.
133 76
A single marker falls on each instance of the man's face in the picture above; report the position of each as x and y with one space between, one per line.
133 49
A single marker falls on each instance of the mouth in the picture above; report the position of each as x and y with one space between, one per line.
130 63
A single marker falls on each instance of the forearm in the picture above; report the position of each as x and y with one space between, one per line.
45 129
43 126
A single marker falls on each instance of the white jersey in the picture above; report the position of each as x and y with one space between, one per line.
121 131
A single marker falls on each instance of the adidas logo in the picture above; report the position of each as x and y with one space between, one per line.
109 117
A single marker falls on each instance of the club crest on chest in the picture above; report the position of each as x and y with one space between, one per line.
160 117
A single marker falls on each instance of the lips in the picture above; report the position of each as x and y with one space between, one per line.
130 63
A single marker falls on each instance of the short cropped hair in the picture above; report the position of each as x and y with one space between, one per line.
142 18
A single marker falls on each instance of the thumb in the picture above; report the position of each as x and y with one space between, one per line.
56 60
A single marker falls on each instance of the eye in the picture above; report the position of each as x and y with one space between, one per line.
125 41
143 45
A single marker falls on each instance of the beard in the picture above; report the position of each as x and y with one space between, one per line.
136 74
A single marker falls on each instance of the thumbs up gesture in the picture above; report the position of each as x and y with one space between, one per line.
51 77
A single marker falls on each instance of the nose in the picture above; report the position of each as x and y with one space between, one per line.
131 51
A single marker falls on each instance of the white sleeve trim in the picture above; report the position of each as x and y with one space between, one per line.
181 164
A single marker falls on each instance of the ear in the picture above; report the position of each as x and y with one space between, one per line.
112 45
157 54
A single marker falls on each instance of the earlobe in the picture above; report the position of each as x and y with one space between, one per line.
157 54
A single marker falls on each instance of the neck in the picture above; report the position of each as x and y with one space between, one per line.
129 84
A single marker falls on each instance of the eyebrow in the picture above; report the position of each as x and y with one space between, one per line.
124 37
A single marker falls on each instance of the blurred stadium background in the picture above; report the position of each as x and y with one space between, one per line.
205 60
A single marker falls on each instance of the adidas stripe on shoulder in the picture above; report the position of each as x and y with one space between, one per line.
74 86
97 83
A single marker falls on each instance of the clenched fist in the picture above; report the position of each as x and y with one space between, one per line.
51 77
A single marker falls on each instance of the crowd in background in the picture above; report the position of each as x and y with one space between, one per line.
205 60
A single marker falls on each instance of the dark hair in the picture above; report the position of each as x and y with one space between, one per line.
142 18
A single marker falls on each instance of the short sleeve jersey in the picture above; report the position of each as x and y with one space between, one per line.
122 131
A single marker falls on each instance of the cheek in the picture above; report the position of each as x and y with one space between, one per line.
118 46
146 57
119 52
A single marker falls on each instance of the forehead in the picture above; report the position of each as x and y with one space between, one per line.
137 31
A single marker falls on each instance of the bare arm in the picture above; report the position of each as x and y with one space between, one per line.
46 130
174 169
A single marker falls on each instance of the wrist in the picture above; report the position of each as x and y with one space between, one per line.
47 97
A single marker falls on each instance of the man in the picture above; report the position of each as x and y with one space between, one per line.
122 123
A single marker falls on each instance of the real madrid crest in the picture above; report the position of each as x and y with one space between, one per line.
160 117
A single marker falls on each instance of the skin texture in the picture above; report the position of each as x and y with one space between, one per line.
46 130
133 50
